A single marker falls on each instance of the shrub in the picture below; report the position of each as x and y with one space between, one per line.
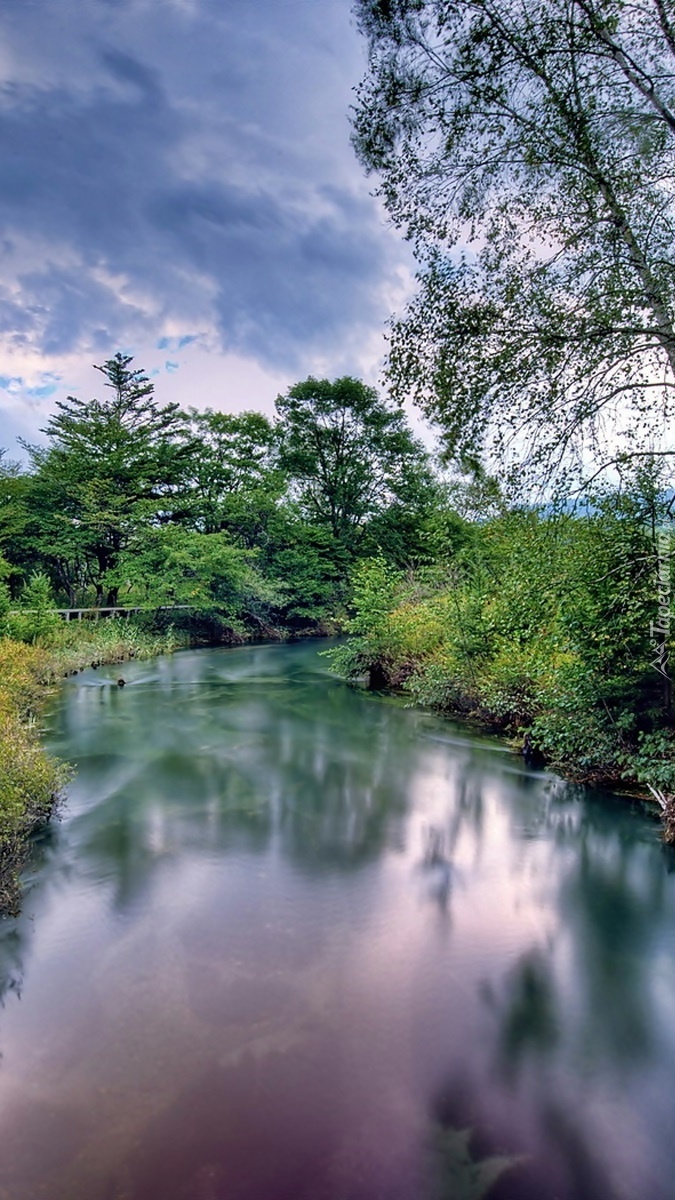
36 619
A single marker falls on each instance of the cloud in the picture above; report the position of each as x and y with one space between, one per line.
180 170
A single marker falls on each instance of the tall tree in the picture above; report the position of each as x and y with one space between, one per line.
528 150
110 465
235 477
348 453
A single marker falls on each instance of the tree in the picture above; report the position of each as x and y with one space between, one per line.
235 478
110 465
348 454
308 566
14 486
5 598
527 150
169 564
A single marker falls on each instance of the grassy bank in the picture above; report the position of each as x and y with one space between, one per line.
29 779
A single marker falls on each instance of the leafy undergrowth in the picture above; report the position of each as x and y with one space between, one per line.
543 628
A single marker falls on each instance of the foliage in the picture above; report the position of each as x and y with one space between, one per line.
36 618
111 466
131 501
542 622
169 564
235 479
78 644
348 454
653 762
529 154
309 568
376 587
5 597
29 779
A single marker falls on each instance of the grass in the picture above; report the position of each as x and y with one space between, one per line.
30 780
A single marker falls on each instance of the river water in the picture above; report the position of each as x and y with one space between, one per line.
291 941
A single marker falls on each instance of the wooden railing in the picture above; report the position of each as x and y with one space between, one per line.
76 614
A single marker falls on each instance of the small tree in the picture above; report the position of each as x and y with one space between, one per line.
35 618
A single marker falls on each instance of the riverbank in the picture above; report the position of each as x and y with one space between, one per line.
29 779
468 711
590 708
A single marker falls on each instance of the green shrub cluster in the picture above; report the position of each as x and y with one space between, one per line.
541 623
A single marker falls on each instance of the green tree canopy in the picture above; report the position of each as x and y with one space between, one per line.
235 476
169 564
348 454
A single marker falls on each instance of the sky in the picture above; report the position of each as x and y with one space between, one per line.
178 183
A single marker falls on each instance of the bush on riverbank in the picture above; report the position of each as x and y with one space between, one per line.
542 624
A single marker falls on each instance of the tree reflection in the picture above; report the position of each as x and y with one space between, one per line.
613 898
436 866
528 1023
230 766
14 929
477 1148
12 954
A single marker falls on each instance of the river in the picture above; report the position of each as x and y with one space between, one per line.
291 941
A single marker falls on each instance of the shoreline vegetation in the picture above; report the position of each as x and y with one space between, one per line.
564 675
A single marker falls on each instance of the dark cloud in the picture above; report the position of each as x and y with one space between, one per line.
128 70
186 160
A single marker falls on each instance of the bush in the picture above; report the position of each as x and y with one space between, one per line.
542 623
36 619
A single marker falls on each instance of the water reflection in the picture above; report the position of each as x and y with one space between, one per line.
291 940
436 866
475 1152
528 1023
11 963
231 767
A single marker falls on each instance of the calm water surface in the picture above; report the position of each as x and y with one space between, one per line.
294 942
